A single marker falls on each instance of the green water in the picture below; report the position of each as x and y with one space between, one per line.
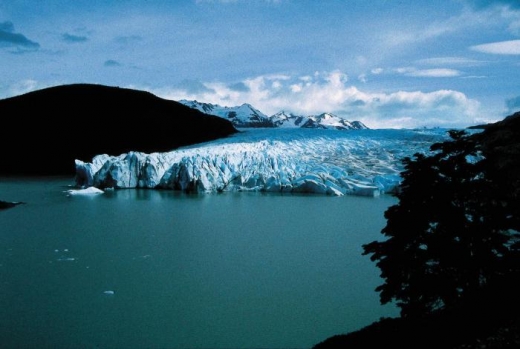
233 270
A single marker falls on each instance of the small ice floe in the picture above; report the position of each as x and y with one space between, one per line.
86 191
109 292
64 250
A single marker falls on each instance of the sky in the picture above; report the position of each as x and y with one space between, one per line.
387 63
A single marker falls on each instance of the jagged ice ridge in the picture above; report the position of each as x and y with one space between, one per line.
332 162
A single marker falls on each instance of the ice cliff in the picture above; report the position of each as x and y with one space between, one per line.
361 162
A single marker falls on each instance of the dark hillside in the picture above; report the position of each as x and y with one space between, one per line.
43 132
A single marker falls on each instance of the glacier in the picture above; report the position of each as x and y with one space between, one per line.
284 160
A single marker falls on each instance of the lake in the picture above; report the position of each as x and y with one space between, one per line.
161 269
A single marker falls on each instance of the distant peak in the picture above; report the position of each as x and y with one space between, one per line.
245 115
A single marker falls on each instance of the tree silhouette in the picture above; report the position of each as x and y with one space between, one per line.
453 232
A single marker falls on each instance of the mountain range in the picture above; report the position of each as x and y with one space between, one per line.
246 115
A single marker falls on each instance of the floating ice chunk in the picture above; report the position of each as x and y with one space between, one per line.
86 191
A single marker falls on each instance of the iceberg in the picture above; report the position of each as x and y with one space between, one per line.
317 161
85 191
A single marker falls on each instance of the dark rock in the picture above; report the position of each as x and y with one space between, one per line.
8 204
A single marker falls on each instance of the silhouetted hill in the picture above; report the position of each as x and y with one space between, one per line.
44 131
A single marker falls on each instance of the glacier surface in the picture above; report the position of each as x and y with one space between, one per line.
331 162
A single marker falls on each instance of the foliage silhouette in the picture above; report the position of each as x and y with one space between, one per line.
454 230
469 187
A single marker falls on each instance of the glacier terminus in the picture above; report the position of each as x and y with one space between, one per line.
287 160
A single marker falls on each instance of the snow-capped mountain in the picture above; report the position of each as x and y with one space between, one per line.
331 121
241 116
283 119
295 160
247 116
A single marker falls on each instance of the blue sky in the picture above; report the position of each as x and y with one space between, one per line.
388 63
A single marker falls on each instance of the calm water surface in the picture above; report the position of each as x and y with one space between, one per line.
234 270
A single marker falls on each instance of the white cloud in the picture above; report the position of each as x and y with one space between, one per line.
376 71
277 77
276 85
336 78
507 10
211 1
449 61
296 87
430 73
403 70
474 77
331 92
24 86
433 30
483 19
435 73
511 47
233 1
